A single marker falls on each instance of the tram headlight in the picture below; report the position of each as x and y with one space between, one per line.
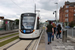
33 30
21 31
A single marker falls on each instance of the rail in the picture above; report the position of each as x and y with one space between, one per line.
11 45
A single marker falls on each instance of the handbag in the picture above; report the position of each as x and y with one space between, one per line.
60 31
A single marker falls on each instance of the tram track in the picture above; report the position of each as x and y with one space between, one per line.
7 38
29 45
8 34
20 42
23 45
11 45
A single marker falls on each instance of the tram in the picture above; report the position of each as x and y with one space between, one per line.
29 26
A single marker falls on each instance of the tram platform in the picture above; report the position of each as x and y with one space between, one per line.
9 31
57 44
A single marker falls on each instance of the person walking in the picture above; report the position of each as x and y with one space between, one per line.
58 31
50 31
54 26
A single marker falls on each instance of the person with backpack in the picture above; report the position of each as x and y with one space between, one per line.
58 31
50 31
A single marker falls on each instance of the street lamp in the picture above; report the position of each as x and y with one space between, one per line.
55 16
35 8
56 11
38 11
56 3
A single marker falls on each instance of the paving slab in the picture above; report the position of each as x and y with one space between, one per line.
41 45
57 44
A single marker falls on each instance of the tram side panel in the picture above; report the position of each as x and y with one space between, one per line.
36 28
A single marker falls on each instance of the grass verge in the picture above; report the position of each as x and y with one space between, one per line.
8 36
8 41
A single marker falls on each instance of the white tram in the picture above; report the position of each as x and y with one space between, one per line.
29 26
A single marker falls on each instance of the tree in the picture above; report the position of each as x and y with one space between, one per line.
17 21
72 24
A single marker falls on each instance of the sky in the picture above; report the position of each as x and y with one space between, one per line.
12 9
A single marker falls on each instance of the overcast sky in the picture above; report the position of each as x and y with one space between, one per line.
12 9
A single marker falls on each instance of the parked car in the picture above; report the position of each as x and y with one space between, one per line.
74 27
67 27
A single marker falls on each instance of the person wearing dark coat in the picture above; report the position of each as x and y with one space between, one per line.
58 31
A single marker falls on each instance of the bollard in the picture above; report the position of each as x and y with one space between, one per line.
72 32
64 36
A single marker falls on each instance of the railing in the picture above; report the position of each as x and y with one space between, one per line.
71 32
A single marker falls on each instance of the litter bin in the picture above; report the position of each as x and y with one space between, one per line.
64 35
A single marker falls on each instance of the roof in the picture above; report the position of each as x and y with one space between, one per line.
31 14
7 20
70 3
67 2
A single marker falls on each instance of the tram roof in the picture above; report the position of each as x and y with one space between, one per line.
28 13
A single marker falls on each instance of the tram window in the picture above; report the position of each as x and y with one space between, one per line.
28 22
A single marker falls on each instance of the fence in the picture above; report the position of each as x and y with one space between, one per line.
71 32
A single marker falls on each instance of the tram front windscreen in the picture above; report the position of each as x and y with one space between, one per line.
27 22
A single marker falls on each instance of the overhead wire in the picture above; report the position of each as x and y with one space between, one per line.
17 5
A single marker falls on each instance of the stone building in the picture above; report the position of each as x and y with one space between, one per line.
67 12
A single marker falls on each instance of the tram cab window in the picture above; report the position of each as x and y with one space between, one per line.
28 22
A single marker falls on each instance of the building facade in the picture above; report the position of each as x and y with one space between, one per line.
67 12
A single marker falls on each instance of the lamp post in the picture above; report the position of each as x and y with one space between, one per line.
56 11
35 8
38 12
55 16
56 8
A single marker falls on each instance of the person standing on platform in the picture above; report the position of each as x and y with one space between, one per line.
50 31
54 26
58 31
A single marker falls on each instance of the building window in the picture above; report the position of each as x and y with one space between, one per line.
66 15
74 10
74 19
66 10
66 19
74 14
67 6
